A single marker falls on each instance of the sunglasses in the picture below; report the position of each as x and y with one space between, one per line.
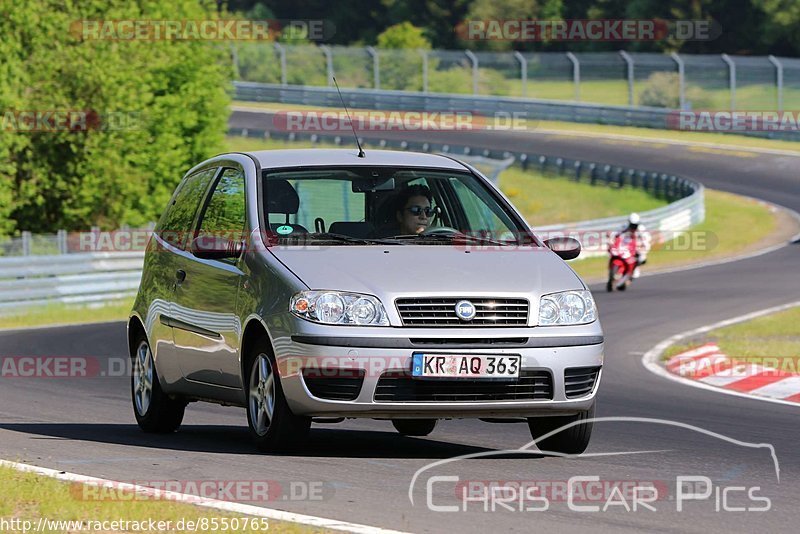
417 210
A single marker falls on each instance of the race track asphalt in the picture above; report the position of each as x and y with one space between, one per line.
86 425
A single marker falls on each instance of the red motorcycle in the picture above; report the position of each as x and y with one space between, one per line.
622 262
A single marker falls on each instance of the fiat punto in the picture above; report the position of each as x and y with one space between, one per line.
317 285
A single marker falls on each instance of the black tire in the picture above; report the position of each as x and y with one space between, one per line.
280 430
155 411
414 427
610 284
572 440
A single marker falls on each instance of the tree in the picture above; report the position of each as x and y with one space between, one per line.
155 108
403 35
783 20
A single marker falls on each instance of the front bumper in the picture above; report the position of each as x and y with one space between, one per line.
379 355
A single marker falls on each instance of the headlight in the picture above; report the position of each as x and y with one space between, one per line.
338 307
566 308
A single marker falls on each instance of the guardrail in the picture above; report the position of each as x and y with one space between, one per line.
68 278
530 109
105 276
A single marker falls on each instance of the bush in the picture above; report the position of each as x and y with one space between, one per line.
662 90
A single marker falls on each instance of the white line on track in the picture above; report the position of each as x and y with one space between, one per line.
652 357
233 507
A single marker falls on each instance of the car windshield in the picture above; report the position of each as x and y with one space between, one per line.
382 205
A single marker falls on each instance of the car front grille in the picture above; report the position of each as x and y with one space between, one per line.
334 384
579 381
440 312
399 386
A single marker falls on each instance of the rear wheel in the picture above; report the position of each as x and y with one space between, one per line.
572 440
272 424
155 411
414 427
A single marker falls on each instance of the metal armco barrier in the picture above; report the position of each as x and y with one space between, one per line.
68 278
554 110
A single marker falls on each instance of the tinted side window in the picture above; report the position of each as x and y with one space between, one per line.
224 215
176 223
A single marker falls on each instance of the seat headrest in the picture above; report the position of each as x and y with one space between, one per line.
281 197
354 229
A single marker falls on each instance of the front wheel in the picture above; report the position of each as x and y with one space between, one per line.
414 427
272 424
572 440
155 411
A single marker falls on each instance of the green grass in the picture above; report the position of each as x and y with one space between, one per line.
553 200
57 314
615 92
732 140
27 496
772 340
733 225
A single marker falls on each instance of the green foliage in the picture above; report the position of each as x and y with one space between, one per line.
172 95
258 62
403 35
783 18
404 74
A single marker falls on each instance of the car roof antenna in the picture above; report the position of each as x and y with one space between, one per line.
360 150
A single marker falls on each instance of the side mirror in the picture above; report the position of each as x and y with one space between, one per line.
216 248
567 248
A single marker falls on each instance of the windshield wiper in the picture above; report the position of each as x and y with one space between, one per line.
350 239
449 238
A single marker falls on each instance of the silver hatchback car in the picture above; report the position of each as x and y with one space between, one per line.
311 285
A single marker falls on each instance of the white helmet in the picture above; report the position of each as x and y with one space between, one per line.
634 218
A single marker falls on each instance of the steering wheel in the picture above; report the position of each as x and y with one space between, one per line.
440 230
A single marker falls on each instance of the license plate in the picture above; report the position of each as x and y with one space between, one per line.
465 366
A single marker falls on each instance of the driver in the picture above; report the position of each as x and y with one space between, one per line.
414 209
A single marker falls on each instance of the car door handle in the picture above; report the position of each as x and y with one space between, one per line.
180 275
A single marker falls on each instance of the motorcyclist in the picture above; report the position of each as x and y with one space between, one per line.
641 237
